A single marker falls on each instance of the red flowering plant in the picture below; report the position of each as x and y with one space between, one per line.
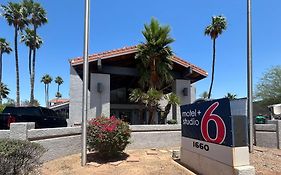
108 136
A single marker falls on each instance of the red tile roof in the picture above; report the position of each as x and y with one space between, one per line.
129 50
60 100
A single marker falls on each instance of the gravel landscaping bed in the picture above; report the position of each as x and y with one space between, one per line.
134 162
267 161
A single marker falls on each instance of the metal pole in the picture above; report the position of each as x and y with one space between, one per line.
85 84
249 74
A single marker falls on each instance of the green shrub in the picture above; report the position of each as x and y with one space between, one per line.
172 121
2 107
108 136
19 157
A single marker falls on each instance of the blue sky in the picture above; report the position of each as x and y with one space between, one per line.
115 24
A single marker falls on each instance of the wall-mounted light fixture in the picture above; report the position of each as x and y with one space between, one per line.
99 65
99 87
185 91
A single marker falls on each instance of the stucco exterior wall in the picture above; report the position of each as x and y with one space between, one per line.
99 98
178 87
60 142
98 102
75 101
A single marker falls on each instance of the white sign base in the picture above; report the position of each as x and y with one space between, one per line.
213 159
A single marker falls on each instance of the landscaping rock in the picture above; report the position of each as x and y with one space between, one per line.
133 159
95 164
151 153
116 163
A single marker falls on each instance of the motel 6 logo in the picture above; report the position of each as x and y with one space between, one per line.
208 121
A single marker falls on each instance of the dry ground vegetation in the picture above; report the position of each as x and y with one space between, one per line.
151 162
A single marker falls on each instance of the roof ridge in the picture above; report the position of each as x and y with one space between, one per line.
132 49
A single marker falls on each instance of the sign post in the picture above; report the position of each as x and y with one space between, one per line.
214 137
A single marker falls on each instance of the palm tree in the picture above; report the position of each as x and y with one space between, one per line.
4 91
28 38
46 79
59 81
153 56
154 65
213 30
231 96
4 48
204 95
172 99
150 98
58 95
15 15
37 17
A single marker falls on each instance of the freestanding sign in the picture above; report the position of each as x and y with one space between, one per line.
212 141
209 121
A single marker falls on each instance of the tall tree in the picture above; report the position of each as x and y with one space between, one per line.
213 30
154 56
268 89
59 81
4 91
36 17
231 96
204 95
47 79
15 15
28 38
150 98
4 48
172 99
154 65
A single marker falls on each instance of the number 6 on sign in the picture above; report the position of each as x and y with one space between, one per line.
220 126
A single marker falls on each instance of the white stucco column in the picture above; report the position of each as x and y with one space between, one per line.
99 96
186 92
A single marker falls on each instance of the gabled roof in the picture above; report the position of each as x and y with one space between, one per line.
59 100
130 50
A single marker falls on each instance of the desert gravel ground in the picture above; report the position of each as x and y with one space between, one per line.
159 162
267 161
135 162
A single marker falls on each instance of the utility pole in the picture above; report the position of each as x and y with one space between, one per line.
249 74
85 84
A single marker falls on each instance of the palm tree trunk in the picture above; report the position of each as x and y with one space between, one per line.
29 61
151 114
33 69
46 94
167 111
213 68
17 68
32 78
153 75
0 74
0 66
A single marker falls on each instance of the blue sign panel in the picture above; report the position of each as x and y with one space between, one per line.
208 121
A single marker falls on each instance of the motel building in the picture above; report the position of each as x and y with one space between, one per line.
112 74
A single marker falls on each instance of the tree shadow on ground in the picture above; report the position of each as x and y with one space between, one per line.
96 157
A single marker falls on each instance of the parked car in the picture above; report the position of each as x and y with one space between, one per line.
43 117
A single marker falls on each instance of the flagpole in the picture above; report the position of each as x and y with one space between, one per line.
85 84
249 74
